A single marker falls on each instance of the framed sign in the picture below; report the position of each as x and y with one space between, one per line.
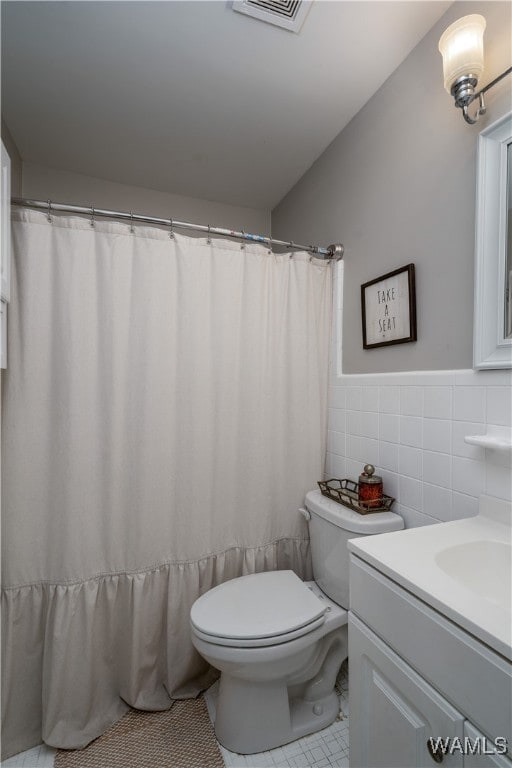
388 306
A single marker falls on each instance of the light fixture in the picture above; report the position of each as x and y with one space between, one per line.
462 48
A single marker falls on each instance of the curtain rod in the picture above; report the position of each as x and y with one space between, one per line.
334 251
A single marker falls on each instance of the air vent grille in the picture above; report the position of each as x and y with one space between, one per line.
286 9
288 14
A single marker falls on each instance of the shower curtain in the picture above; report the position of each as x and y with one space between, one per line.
164 413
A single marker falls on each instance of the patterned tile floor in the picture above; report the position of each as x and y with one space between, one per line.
324 749
38 757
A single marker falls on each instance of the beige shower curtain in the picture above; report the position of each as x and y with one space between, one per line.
164 413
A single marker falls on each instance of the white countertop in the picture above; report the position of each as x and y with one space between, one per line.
462 568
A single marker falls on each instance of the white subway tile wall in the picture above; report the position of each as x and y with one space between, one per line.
414 434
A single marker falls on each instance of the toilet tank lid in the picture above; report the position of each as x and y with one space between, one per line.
348 520
259 605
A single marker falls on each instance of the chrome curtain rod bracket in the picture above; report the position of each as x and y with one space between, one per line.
334 252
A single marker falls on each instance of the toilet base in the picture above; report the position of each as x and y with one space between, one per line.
255 715
264 727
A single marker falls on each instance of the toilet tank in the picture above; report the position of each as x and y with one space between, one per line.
331 525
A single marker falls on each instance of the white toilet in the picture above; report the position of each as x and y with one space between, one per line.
278 641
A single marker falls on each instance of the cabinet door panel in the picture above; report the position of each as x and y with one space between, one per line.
393 711
480 745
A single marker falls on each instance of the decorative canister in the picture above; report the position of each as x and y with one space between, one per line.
370 487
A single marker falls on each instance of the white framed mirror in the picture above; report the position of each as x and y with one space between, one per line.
492 341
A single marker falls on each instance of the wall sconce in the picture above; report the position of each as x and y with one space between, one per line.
462 49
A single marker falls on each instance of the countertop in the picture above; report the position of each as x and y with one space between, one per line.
462 568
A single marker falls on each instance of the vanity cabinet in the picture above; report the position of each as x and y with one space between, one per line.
413 675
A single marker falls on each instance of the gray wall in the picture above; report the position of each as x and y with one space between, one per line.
43 183
397 186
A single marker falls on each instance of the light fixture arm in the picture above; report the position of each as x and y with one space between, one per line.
480 96
482 109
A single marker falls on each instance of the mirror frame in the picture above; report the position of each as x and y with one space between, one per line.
490 347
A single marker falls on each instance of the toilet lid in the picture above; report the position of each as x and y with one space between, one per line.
260 605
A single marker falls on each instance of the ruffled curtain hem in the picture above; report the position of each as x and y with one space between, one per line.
76 656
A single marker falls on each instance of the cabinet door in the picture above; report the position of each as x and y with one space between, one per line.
393 711
476 742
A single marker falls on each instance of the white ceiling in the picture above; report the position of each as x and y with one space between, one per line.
191 97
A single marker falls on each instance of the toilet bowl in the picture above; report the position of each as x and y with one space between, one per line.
278 641
279 657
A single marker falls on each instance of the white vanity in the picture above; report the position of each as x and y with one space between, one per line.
430 652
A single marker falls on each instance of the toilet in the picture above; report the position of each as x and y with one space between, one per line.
279 642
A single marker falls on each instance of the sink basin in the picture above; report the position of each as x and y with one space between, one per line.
483 567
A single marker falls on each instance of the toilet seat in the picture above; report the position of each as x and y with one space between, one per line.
259 642
258 610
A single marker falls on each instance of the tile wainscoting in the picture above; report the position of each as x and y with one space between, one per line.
411 426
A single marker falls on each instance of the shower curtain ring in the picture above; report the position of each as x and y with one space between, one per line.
171 231
131 222
92 216
242 244
270 243
49 214
292 247
209 239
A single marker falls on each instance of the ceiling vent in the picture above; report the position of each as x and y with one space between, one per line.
288 14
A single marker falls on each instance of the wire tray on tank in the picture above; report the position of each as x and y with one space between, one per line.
346 492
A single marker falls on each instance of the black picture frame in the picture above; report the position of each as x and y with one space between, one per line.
388 308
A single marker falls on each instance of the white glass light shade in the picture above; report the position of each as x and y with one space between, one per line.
462 48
